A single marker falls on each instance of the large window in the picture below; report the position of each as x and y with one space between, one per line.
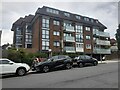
18 39
18 31
79 38
55 22
87 28
56 43
45 23
56 33
88 37
79 28
45 33
45 45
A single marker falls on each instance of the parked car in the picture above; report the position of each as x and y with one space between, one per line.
54 62
9 67
82 60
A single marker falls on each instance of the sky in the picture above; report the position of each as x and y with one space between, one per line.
11 10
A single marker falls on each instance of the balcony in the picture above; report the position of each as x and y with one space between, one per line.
79 49
69 39
102 51
102 42
102 34
69 28
69 49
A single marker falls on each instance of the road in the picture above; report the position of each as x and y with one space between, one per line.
101 76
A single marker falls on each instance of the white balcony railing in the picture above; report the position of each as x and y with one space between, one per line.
102 42
69 28
102 34
69 49
69 38
102 51
79 49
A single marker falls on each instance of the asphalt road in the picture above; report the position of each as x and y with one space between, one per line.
101 76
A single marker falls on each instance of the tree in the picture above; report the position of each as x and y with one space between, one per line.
118 37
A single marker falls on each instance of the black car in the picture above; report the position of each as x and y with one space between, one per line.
82 60
54 62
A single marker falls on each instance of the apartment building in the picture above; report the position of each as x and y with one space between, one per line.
60 31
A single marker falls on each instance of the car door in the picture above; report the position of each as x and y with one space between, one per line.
82 58
54 62
88 59
61 59
7 67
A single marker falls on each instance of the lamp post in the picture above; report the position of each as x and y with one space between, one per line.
50 53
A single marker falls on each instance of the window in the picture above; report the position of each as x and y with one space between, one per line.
18 31
79 38
56 43
67 14
95 31
45 32
29 36
28 40
56 22
45 48
88 37
56 33
18 39
82 57
28 31
78 17
87 57
29 45
87 28
92 20
54 57
96 21
79 28
79 45
88 46
52 11
45 43
45 23
4 62
86 19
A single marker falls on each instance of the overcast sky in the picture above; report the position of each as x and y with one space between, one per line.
105 12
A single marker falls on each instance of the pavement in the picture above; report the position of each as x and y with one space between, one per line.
108 61
100 76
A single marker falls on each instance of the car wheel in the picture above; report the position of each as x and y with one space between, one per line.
46 69
68 66
80 65
21 72
95 63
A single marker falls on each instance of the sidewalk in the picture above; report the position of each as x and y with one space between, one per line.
107 61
